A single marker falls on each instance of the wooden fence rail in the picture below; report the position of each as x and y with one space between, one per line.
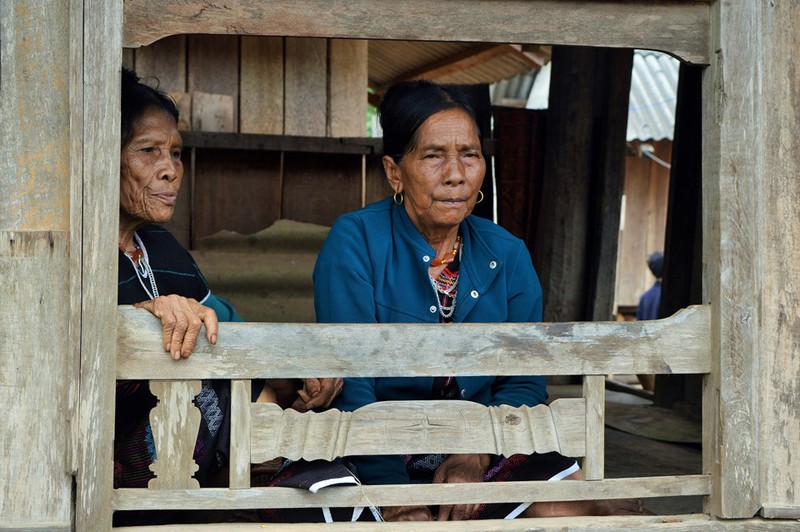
260 432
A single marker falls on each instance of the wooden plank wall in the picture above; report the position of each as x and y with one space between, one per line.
38 355
645 218
264 85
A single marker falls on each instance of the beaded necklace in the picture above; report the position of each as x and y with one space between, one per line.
450 256
141 266
446 285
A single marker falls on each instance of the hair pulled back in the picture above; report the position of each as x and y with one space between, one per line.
137 98
407 105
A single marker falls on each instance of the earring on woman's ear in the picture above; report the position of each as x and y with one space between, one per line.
480 197
400 201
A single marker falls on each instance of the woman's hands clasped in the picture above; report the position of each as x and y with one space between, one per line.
456 468
182 319
317 393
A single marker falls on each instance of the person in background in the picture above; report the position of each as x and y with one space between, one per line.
421 257
650 303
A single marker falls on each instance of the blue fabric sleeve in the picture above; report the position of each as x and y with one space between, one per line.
224 310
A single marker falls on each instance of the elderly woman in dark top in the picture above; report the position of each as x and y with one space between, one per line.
157 274
420 257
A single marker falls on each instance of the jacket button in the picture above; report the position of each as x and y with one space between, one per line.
493 265
474 294
433 309
426 258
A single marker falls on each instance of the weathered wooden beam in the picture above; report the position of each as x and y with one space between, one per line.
248 350
777 360
407 494
676 26
733 130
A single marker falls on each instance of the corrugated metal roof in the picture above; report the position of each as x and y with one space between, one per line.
654 85
651 110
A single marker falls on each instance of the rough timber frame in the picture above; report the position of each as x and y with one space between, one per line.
750 204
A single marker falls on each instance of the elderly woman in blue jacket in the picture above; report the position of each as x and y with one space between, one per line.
420 257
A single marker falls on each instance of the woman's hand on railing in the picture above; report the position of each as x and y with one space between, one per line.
182 319
317 393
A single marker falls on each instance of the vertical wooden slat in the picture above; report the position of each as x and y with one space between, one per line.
731 247
261 86
320 188
101 88
213 66
75 231
164 61
175 421
240 434
347 88
235 190
594 394
306 106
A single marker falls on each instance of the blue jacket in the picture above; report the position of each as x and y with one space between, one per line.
373 268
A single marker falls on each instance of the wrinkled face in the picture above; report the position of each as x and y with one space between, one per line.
441 175
151 170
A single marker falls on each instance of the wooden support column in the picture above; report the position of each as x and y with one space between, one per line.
779 355
608 177
578 225
97 96
751 242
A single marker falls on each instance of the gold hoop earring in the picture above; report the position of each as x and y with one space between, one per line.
401 198
480 197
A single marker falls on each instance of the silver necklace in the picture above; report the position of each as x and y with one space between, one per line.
444 311
143 269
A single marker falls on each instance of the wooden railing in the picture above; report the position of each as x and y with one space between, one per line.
259 432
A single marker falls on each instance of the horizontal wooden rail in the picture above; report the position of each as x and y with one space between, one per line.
417 427
680 27
679 344
411 494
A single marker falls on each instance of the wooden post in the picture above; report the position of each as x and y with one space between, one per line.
778 358
578 224
97 95
730 435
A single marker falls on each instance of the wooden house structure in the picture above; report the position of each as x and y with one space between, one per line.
59 167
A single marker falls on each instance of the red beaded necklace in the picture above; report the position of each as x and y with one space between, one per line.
136 255
449 257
